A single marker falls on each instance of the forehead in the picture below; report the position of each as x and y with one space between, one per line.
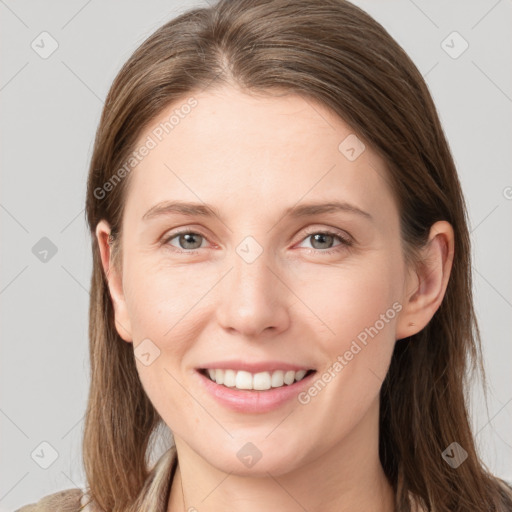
240 150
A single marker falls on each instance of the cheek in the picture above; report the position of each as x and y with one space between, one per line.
367 314
163 307
360 306
161 301
349 299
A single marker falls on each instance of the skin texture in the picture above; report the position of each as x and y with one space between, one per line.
252 157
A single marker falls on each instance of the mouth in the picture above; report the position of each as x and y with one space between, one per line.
254 388
260 381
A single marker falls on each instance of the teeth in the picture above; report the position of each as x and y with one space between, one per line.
256 381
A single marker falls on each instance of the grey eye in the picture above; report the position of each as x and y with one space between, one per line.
188 240
322 239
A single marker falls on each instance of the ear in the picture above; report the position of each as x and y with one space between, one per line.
115 282
425 286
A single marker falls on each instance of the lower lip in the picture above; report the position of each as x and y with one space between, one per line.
251 401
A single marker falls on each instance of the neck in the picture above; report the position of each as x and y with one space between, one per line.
348 477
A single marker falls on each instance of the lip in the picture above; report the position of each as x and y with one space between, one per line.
264 366
251 401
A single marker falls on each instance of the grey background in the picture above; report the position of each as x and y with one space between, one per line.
49 112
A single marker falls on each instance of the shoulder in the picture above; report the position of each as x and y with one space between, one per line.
62 501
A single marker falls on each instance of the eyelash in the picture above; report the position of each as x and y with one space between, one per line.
344 242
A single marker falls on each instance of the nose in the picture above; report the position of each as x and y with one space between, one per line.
254 300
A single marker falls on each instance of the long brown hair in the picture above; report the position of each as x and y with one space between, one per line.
332 52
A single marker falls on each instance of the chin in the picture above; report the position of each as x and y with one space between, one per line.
249 460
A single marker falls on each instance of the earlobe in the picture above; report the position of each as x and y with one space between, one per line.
114 280
426 285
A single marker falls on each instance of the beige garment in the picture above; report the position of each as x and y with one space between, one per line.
62 501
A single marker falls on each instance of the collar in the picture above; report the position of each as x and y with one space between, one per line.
154 496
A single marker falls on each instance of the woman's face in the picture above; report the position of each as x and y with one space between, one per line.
271 279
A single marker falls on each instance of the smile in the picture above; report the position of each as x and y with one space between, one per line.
256 392
260 381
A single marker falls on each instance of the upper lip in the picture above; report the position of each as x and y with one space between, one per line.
253 367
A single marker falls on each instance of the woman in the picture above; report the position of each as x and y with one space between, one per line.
309 349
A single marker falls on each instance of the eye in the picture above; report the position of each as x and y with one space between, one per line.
322 241
187 241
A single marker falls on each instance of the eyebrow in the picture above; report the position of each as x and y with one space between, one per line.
202 209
